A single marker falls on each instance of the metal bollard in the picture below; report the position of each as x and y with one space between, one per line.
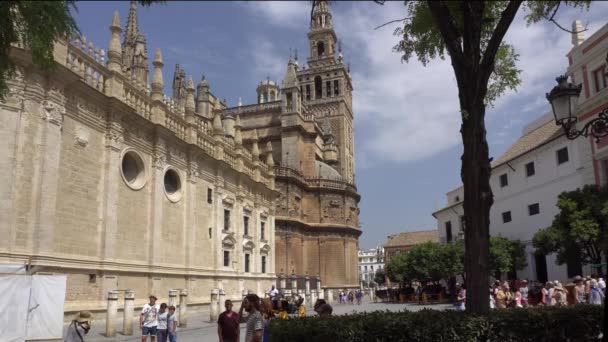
111 313
127 320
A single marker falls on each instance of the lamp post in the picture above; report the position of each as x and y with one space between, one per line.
563 98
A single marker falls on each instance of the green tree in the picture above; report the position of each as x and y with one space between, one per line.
37 25
395 269
429 261
471 33
506 255
379 277
578 231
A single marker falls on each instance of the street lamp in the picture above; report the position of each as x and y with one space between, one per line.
563 98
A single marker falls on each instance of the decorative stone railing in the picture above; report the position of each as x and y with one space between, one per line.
282 171
87 61
90 64
137 99
256 107
176 124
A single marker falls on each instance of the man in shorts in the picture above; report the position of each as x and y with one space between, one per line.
148 320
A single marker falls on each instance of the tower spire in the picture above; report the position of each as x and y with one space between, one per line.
132 29
134 48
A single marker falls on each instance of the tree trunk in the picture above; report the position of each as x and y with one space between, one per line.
478 198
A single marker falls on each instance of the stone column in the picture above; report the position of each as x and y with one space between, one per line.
222 299
183 306
318 282
313 297
287 294
111 313
213 306
127 320
172 298
302 294
282 282
329 297
294 282
307 285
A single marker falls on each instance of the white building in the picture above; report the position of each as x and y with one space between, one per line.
370 261
526 181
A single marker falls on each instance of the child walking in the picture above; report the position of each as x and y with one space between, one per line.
172 324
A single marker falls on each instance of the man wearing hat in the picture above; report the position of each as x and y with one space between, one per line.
148 320
79 327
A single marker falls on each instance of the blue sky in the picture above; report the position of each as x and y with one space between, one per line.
407 138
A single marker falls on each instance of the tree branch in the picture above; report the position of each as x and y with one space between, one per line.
552 19
393 21
489 55
451 35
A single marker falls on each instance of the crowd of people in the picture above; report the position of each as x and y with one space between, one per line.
519 293
350 297
259 314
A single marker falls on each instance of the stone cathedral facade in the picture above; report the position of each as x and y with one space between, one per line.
119 186
306 123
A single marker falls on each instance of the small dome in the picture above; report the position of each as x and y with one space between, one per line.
326 171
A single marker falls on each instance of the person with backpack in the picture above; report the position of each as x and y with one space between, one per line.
80 326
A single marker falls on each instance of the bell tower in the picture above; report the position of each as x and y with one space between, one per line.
321 34
326 88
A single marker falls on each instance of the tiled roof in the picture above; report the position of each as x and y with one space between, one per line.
412 238
530 141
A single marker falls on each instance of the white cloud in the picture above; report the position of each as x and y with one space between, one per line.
291 14
407 112
267 62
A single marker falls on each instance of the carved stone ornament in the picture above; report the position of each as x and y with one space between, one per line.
158 161
228 201
192 172
53 113
113 139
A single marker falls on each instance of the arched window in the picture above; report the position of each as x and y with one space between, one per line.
265 96
318 87
320 48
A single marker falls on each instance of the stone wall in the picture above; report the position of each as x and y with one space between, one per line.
69 206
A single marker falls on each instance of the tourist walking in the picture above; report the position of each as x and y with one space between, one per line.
359 296
148 320
228 324
504 298
255 325
596 295
579 290
461 298
172 324
161 330
80 326
560 294
267 315
524 293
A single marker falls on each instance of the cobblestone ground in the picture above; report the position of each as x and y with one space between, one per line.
200 330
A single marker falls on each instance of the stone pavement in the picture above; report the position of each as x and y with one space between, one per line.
199 328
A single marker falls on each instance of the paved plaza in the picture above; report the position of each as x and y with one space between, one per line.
200 330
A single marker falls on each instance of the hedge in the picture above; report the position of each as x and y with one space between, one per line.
550 324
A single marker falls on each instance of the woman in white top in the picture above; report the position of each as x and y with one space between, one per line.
161 330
